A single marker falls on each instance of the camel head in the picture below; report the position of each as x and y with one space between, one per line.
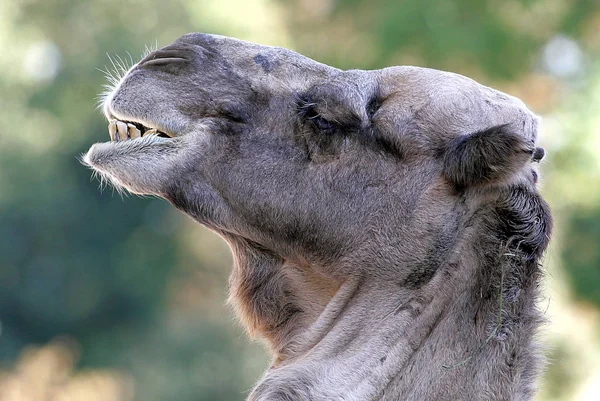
345 196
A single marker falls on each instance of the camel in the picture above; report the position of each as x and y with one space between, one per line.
386 225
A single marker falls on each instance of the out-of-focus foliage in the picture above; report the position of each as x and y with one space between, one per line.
139 289
582 250
495 38
46 374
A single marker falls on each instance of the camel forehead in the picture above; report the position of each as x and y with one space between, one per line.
427 84
439 101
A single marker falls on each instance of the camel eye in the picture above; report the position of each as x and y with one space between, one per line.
310 114
322 124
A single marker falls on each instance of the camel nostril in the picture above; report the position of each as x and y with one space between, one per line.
156 62
165 57
164 61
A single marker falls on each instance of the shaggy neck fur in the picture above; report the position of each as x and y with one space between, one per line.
484 293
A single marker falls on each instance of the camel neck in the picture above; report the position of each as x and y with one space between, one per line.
378 341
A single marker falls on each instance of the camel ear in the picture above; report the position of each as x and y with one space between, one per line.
491 156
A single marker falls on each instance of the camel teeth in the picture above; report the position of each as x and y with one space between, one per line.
122 130
112 130
133 131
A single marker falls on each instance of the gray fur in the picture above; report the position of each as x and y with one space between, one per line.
386 225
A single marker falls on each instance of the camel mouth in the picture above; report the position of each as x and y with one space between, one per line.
122 130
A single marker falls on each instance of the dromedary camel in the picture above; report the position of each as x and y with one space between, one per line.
386 225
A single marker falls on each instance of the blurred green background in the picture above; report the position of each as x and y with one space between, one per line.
113 299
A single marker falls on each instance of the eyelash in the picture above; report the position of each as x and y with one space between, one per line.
310 114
